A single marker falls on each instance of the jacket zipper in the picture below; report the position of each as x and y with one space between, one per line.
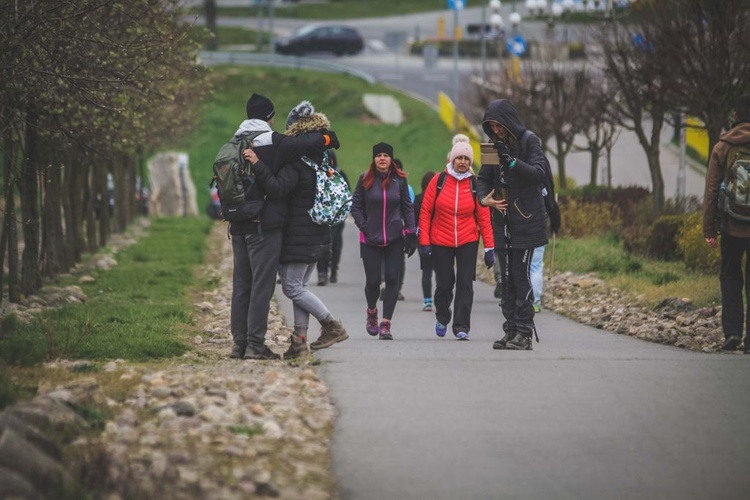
385 238
455 216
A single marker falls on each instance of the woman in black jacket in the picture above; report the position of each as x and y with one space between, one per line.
383 212
304 242
515 176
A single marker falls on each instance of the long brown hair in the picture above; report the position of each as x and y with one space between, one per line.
369 178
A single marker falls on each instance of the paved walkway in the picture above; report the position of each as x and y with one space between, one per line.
587 414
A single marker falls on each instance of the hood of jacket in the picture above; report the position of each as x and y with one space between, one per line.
316 122
503 112
739 134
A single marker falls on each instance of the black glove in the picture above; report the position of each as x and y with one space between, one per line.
333 141
489 258
502 148
555 220
410 243
425 250
503 153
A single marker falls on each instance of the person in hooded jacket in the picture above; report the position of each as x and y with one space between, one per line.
256 244
512 187
735 233
383 212
450 223
304 242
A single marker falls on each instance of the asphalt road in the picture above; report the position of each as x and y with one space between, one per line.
587 414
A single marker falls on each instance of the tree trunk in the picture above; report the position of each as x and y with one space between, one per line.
73 207
55 256
91 207
10 227
31 279
209 10
595 153
101 194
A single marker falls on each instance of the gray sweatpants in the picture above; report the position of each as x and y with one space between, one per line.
294 280
256 262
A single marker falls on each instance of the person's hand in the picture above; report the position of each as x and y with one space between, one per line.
332 141
555 221
490 201
425 250
489 257
249 155
711 242
502 148
410 243
507 160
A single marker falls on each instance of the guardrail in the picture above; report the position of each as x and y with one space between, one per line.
252 59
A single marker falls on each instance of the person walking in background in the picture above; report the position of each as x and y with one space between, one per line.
425 261
450 223
384 214
304 242
729 215
512 188
256 243
328 266
400 165
536 271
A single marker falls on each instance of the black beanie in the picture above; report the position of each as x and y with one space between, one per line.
259 107
382 147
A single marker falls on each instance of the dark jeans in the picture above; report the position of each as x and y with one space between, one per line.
375 260
337 243
733 312
425 264
517 299
256 261
455 267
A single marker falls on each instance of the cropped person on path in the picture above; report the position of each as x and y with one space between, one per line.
729 215
256 244
304 242
450 223
400 165
425 261
383 212
512 187
328 266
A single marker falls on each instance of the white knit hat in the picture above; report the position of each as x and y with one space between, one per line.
461 147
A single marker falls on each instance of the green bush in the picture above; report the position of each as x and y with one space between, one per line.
636 239
662 242
466 47
692 245
581 219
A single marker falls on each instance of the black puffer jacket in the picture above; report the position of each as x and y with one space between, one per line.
526 220
273 149
303 241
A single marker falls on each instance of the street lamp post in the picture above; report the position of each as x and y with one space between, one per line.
496 21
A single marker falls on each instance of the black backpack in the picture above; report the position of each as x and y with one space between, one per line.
548 185
231 176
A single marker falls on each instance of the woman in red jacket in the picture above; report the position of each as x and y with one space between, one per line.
450 222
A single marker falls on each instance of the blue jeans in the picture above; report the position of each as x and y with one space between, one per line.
536 273
294 279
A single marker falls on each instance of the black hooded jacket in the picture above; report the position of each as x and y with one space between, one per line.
525 225
304 241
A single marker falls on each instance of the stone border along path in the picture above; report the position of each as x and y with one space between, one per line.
203 426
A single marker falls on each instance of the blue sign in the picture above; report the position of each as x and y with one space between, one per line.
456 4
516 45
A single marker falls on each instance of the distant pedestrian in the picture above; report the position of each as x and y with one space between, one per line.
425 261
384 214
511 185
256 243
450 223
304 241
726 211
328 266
400 165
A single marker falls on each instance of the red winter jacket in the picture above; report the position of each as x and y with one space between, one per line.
455 218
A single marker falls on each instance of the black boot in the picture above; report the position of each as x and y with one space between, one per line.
334 276
510 331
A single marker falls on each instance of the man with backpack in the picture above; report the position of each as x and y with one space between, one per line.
256 239
726 210
510 182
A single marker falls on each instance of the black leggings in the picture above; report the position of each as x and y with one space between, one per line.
425 264
375 259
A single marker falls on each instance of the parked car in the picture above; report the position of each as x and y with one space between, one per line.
337 39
